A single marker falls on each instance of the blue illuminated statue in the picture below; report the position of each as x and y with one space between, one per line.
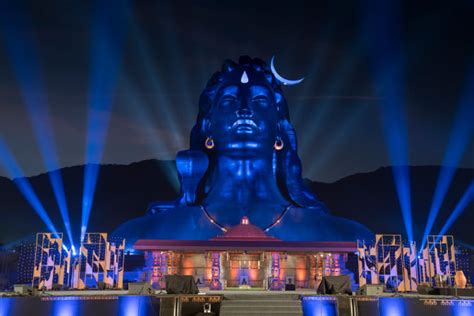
242 161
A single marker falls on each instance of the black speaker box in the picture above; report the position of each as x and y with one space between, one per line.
181 284
340 284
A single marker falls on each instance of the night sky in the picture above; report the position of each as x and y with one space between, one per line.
172 48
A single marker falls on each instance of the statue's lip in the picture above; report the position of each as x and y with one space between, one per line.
244 123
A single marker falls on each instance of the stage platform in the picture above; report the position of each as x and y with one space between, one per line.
231 302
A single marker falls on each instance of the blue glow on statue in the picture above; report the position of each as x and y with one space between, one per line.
242 161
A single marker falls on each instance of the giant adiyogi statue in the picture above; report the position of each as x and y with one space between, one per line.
242 161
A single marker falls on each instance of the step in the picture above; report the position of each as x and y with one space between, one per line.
261 307
261 310
261 302
265 296
230 313
242 309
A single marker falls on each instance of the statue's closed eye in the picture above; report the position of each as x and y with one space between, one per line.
227 100
261 100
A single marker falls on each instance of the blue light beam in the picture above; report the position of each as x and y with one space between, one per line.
7 160
157 83
459 138
22 52
466 198
384 41
333 86
313 74
138 108
108 34
338 138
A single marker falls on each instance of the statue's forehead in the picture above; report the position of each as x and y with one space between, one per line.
252 90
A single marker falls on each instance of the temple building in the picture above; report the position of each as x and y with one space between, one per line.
245 257
243 164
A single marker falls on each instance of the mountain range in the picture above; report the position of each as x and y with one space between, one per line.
125 191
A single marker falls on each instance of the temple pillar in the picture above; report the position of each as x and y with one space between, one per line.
327 264
276 284
216 274
320 266
155 268
335 268
313 271
171 263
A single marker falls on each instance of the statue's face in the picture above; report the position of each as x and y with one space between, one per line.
244 118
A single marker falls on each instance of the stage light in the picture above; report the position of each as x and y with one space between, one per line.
392 306
22 51
466 198
66 307
108 33
73 249
382 27
133 305
7 160
5 306
460 136
319 306
463 308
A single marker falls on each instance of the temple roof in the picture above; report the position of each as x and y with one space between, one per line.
245 236
250 245
245 231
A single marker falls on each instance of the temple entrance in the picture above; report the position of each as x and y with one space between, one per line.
245 271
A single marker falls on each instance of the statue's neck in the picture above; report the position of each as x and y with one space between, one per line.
243 169
244 181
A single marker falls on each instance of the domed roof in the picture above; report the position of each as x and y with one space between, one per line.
245 231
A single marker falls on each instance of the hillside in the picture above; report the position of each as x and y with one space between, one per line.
124 192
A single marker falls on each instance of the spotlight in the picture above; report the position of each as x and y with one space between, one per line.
108 31
382 26
466 198
22 52
460 136
14 171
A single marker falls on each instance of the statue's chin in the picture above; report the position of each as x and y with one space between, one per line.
244 147
244 144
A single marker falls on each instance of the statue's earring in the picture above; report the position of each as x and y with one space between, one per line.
209 143
279 144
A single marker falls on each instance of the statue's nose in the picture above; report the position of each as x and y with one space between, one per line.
244 111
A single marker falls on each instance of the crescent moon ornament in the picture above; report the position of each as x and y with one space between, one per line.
285 82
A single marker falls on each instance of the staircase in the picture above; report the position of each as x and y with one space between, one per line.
261 304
